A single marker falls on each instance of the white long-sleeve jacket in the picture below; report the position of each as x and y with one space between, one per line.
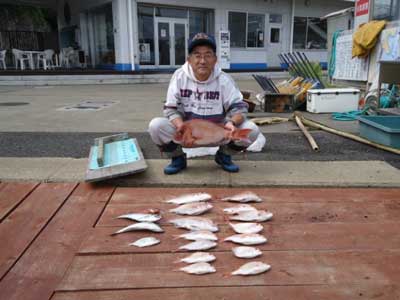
215 99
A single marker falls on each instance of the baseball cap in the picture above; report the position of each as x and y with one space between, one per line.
202 39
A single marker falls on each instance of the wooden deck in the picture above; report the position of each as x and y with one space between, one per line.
330 244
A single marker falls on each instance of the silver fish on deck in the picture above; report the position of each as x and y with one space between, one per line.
238 209
198 257
252 268
247 239
246 227
246 252
143 226
198 235
243 198
199 245
192 209
141 217
189 198
145 242
198 268
252 216
195 223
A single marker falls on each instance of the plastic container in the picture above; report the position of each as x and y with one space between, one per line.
384 130
278 103
332 100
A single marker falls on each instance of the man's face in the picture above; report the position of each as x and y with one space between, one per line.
202 59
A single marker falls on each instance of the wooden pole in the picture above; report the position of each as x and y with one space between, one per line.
346 134
310 139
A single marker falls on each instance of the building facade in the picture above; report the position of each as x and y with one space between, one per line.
137 35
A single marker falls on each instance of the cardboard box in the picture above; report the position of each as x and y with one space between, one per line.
332 100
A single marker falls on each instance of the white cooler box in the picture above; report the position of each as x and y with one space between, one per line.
332 100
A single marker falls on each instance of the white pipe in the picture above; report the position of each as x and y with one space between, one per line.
292 26
130 33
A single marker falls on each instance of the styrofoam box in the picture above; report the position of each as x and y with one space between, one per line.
332 100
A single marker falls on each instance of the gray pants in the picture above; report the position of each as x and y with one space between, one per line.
162 132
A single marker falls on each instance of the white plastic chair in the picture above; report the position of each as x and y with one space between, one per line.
46 58
3 59
67 56
21 57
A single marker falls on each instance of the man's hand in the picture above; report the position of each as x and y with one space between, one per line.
178 123
229 126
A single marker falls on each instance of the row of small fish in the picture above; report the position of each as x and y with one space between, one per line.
251 268
243 197
200 264
146 222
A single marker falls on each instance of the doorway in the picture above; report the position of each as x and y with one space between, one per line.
171 36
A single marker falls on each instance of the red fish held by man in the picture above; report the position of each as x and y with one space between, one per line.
197 133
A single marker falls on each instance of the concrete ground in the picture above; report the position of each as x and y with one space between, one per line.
42 140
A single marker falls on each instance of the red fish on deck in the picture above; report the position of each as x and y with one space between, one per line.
198 133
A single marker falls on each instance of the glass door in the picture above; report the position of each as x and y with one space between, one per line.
171 41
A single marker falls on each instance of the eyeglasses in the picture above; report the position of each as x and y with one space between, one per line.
206 56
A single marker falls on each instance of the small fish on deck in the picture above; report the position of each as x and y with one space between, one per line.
198 235
190 198
195 223
143 226
247 239
252 268
238 208
199 245
198 268
192 209
246 252
198 133
246 227
243 198
198 257
141 217
252 216
145 242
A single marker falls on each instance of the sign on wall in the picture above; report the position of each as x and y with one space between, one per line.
361 13
224 49
390 44
346 67
144 52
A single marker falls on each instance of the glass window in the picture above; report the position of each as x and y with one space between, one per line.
300 33
274 18
169 12
104 35
275 35
237 27
309 33
317 34
201 21
146 35
386 9
255 30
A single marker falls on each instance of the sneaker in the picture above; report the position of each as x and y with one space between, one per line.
225 161
177 164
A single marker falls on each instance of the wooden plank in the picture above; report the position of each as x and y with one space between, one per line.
43 265
132 271
12 194
284 213
326 292
151 196
22 226
319 236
